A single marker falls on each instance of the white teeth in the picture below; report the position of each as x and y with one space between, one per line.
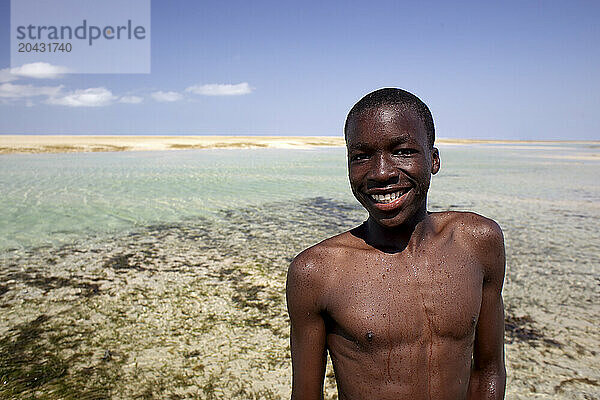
386 198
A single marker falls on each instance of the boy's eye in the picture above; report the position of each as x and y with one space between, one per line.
358 157
405 152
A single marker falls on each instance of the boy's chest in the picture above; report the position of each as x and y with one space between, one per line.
396 300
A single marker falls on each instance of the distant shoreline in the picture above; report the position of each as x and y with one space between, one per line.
33 144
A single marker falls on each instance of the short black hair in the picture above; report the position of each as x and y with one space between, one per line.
396 97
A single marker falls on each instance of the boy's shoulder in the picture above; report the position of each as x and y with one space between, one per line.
475 234
312 264
469 225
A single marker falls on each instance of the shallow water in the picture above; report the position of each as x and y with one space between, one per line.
162 274
54 198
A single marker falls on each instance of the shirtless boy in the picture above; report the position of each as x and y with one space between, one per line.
408 304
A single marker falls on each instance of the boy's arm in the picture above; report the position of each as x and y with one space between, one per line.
488 374
307 334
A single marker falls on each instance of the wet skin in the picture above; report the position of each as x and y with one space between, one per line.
408 304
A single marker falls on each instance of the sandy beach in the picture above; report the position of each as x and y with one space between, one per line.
12 144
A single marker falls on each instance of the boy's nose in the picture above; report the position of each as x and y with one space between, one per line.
383 169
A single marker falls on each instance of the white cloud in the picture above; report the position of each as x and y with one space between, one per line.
92 97
39 70
217 89
131 99
166 96
14 91
7 76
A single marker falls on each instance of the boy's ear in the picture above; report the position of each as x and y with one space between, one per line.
435 161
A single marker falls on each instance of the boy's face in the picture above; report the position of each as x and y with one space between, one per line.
390 164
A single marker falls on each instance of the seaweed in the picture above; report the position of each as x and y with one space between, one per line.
121 263
587 381
519 329
31 367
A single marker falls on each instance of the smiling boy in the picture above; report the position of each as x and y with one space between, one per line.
409 303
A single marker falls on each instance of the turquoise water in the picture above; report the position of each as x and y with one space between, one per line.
56 198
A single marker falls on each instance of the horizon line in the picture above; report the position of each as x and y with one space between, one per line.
465 140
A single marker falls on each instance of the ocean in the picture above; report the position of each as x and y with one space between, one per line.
162 274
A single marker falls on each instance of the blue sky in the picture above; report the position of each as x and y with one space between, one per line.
503 70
